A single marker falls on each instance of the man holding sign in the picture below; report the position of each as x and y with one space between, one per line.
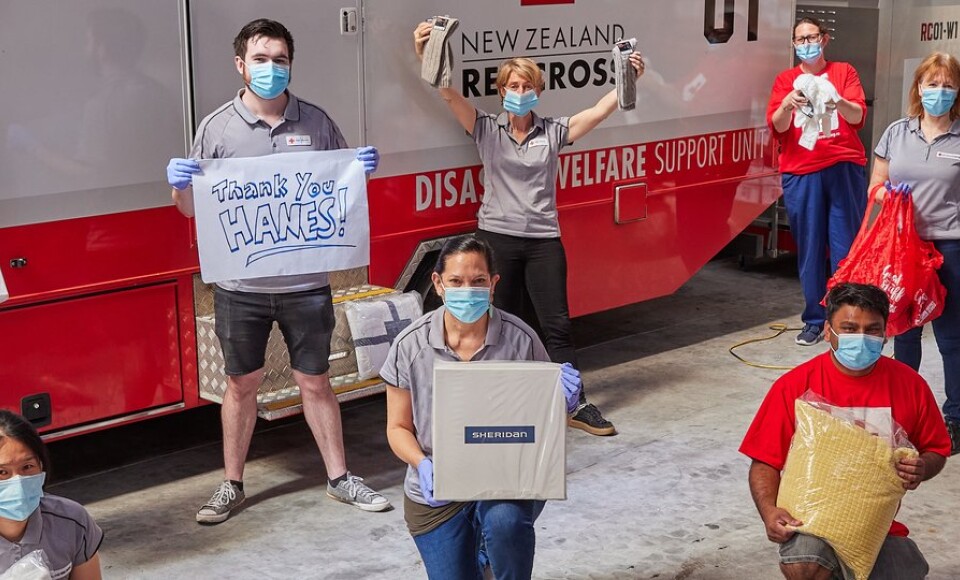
265 118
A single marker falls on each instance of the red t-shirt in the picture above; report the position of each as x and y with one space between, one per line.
891 384
842 145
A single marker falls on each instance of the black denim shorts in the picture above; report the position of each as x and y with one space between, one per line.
244 321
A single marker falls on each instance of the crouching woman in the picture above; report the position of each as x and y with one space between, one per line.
449 535
31 520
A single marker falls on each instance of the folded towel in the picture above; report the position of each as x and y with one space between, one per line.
437 65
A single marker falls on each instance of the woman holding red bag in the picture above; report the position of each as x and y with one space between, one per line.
921 152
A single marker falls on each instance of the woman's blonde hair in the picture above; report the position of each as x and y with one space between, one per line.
526 68
937 64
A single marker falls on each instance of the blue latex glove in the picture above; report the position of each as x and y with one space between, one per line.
903 189
425 471
572 385
180 172
370 158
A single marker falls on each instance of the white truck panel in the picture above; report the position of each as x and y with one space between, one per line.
690 87
92 107
909 32
79 143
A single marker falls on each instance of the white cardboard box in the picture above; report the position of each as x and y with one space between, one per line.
499 431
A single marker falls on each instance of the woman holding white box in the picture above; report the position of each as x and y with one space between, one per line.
467 328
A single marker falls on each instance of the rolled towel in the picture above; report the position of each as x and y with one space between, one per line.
625 74
437 65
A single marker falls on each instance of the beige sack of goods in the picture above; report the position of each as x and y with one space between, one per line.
841 482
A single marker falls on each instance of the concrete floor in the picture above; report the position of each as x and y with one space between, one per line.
667 498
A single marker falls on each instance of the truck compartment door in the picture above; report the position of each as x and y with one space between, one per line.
92 358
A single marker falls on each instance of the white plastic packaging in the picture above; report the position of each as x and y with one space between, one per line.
30 567
840 479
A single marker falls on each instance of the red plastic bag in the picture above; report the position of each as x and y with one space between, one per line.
889 253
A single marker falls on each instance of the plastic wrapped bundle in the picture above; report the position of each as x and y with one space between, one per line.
30 567
841 482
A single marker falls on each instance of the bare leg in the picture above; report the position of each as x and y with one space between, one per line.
805 571
322 411
239 416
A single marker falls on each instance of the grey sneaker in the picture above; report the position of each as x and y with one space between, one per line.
227 498
354 492
810 335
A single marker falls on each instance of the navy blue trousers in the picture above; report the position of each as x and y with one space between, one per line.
946 329
825 209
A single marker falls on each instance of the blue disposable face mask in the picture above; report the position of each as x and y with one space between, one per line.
808 52
857 351
520 103
466 304
268 79
937 100
20 496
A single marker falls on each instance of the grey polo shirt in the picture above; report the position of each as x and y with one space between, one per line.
520 179
65 532
410 366
233 131
932 169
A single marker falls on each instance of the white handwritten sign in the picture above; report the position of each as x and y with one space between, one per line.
283 214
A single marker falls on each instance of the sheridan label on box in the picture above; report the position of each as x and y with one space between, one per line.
524 434
499 431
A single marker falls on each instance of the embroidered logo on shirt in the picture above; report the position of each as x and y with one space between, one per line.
295 140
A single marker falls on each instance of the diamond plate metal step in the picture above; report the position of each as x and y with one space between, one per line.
279 395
